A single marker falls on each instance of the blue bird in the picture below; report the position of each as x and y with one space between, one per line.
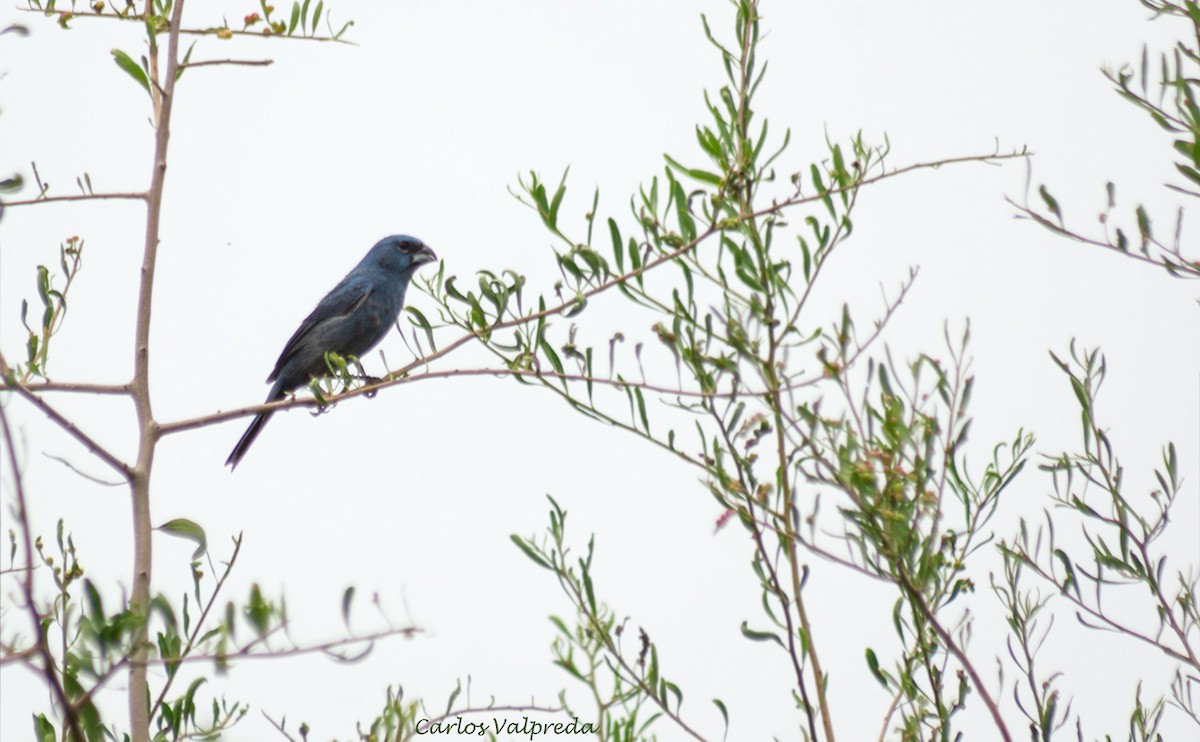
349 321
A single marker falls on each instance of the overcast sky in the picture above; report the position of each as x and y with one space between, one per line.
281 178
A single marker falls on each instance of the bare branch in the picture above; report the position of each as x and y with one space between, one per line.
72 429
216 62
49 668
70 387
80 472
80 197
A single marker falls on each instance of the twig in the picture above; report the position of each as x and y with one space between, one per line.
69 387
400 376
918 601
88 442
887 718
80 472
1176 261
215 62
278 726
81 197
247 653
191 31
70 713
772 574
191 643
17 655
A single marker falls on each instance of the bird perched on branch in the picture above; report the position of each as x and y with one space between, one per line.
349 321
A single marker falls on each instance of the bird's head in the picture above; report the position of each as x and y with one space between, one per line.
401 253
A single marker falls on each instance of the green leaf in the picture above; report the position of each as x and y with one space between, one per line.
759 636
43 730
95 604
131 68
1070 581
670 688
43 284
587 587
1143 222
873 663
552 216
258 611
418 320
701 175
724 712
1051 203
529 552
641 403
184 528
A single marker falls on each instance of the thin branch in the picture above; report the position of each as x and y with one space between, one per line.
191 642
71 428
17 655
918 601
278 726
70 713
1110 624
241 62
887 718
213 31
1169 259
260 35
69 387
81 197
615 651
178 426
756 528
401 376
247 653
80 472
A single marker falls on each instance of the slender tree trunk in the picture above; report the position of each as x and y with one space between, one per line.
162 94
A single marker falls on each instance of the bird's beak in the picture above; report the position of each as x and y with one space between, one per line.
425 255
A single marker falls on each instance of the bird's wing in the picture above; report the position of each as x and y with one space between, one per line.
343 300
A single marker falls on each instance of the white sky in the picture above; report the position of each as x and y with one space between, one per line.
281 178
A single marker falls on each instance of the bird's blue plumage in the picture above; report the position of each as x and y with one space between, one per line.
350 320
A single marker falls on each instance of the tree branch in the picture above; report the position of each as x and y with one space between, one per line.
918 601
189 31
162 95
54 386
72 429
81 197
241 62
49 668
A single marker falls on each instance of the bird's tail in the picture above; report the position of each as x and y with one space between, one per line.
252 432
243 444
